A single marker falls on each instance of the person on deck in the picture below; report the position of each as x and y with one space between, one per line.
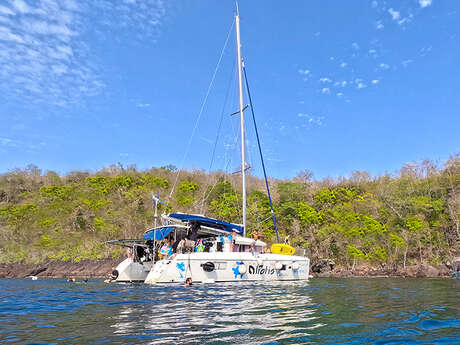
232 239
286 240
164 249
167 249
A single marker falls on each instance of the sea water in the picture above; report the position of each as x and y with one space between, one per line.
320 311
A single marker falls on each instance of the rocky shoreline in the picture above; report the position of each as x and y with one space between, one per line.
102 268
60 269
327 268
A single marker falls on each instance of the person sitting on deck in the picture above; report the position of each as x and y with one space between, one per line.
166 250
193 233
232 239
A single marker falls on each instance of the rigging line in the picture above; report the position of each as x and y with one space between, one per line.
265 220
235 134
232 147
261 156
221 120
201 111
205 197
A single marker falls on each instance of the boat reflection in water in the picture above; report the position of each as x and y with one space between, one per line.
227 312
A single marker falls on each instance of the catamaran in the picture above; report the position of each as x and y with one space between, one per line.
210 250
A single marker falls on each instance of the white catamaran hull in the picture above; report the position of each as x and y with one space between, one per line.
229 267
130 271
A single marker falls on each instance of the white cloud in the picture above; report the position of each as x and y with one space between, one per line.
124 154
344 83
325 90
59 69
425 3
355 46
395 15
7 142
361 85
21 6
343 64
384 66
379 25
407 62
375 81
303 71
7 35
44 55
340 94
311 120
6 10
143 105
325 80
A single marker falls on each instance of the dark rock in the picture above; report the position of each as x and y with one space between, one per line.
323 266
37 271
432 271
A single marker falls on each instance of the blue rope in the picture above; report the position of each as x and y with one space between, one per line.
261 156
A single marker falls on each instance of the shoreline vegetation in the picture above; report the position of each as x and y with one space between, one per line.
101 268
404 224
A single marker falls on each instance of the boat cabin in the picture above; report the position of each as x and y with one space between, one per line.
197 233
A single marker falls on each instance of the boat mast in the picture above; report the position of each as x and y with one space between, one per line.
240 84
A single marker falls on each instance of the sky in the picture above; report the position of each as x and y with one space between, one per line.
337 86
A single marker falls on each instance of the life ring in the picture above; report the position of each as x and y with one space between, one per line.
208 266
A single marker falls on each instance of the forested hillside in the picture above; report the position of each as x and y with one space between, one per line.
391 220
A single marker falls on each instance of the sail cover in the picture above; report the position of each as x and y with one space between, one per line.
158 233
205 221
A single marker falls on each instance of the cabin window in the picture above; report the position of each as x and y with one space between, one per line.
221 265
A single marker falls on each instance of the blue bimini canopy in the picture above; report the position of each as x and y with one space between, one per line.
158 233
210 222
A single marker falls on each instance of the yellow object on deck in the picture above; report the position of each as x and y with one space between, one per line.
279 248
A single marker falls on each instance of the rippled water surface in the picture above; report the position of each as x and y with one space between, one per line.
321 311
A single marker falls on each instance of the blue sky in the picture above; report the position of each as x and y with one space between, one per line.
338 86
